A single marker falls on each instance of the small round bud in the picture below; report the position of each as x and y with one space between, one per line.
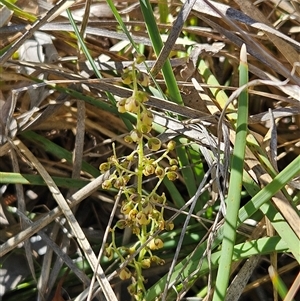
154 144
160 172
157 260
148 170
169 226
105 166
121 224
147 117
127 76
155 244
173 162
128 139
120 182
172 175
135 135
121 105
126 208
125 274
132 214
146 263
107 184
131 105
108 252
142 219
141 96
171 145
147 208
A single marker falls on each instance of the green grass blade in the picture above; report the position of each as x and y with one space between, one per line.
157 43
235 186
277 283
186 171
58 151
27 179
188 265
18 11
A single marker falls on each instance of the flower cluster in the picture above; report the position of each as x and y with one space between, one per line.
140 210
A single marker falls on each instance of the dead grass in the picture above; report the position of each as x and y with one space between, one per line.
58 121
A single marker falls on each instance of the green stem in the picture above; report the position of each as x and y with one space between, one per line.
157 43
235 186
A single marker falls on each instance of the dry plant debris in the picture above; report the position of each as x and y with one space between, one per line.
97 200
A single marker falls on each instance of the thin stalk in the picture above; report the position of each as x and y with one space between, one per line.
157 43
91 61
278 284
235 186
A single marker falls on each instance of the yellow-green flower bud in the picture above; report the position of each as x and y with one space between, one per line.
172 175
146 263
145 129
135 135
154 144
174 167
107 184
136 198
132 214
128 139
148 170
157 260
161 224
169 226
132 288
108 252
126 208
163 198
121 105
131 105
127 76
154 198
143 79
113 160
125 274
135 230
119 183
171 145
142 219
121 224
173 162
155 214
126 178
141 96
147 117
160 172
155 244
105 166
147 208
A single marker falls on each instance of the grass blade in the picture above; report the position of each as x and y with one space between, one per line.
235 186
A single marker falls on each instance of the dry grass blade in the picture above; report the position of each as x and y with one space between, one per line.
31 29
76 229
173 35
78 103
